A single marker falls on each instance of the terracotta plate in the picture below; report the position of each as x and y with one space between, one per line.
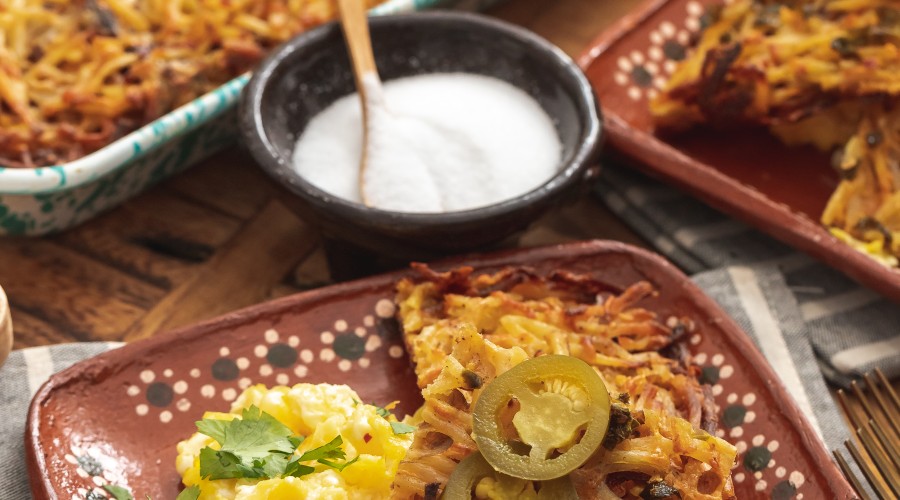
748 174
116 418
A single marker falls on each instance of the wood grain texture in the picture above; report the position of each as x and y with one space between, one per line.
242 273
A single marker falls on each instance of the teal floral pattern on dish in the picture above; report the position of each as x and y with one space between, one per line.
48 199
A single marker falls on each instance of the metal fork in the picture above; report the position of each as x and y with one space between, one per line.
877 429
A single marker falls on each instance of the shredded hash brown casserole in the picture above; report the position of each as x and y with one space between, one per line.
463 331
820 72
76 75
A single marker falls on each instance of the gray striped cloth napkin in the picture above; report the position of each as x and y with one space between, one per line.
22 375
812 323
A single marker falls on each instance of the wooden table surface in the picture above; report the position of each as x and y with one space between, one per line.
214 239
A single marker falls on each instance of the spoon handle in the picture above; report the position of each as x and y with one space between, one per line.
356 33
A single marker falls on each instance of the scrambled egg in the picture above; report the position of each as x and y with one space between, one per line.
319 412
874 249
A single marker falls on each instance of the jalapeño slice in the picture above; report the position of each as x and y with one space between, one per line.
543 418
474 469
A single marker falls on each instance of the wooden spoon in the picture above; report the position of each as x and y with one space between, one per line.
6 330
355 24
401 175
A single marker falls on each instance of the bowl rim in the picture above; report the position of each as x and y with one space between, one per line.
587 147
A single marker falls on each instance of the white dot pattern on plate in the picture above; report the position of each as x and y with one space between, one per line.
384 308
373 343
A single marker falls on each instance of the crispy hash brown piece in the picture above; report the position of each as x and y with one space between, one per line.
764 61
462 331
76 75
820 72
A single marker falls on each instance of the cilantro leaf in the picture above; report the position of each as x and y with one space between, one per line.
221 464
213 428
296 469
254 446
118 492
192 493
339 467
401 428
325 455
296 440
257 446
332 449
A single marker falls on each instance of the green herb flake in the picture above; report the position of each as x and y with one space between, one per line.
118 492
401 428
339 467
192 493
383 413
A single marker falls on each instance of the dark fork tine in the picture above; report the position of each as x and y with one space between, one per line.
889 446
845 468
889 388
880 459
864 402
883 403
871 475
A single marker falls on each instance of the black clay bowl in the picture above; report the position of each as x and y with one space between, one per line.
305 75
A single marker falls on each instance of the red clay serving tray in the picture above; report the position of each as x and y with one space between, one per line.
748 174
115 419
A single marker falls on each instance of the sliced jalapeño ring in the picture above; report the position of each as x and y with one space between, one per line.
543 418
474 471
